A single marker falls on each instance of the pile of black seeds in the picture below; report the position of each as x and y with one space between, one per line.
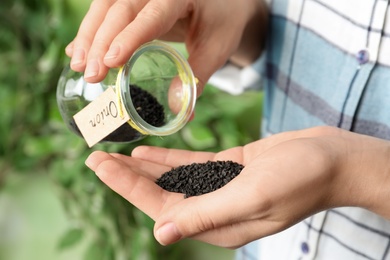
148 108
199 178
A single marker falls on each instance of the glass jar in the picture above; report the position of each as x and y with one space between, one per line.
156 87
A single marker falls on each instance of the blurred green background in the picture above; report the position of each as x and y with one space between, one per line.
51 205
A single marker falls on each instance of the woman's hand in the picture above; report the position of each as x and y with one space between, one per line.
287 177
212 30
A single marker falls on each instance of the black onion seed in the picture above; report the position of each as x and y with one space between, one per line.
199 178
148 108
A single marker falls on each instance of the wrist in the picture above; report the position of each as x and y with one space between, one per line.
376 179
363 173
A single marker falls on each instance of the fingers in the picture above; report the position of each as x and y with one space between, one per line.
210 215
147 169
235 235
137 189
152 21
104 20
117 19
69 49
206 57
231 236
85 36
112 30
203 66
175 95
170 157
121 174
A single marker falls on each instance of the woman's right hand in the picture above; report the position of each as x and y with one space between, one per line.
212 30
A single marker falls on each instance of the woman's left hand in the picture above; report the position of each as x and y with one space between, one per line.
287 177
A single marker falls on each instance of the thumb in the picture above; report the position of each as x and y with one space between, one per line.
199 214
205 60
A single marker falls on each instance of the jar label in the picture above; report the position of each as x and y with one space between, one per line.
100 117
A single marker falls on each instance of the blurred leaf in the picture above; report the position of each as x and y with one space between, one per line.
229 134
41 146
70 238
78 8
50 58
234 106
95 252
199 137
100 249
206 112
141 244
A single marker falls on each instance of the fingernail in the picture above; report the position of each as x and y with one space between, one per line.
92 69
112 53
69 49
78 57
168 234
89 162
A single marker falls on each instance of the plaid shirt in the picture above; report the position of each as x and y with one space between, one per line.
327 62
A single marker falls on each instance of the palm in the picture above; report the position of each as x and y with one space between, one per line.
135 178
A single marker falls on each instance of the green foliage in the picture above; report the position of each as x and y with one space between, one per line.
33 138
72 237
